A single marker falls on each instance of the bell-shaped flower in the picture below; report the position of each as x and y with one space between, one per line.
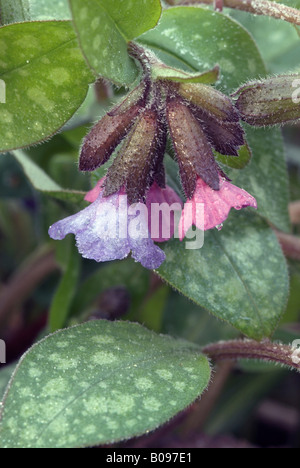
209 208
110 228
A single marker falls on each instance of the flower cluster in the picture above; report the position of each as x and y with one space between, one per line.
198 120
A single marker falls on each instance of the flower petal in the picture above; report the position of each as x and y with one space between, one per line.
72 224
163 222
217 205
93 194
101 236
147 253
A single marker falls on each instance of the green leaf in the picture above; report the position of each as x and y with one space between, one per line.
242 161
14 11
44 10
42 182
5 375
195 40
278 41
266 176
97 383
64 295
240 274
105 27
46 81
196 324
163 72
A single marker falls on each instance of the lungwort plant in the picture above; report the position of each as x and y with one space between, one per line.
138 126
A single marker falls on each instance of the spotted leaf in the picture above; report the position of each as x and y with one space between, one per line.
46 81
99 382
104 29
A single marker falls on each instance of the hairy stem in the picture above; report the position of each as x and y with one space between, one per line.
257 7
250 349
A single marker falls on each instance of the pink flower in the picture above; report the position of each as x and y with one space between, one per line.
162 226
210 208
93 194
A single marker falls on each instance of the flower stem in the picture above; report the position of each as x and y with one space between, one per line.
250 349
257 7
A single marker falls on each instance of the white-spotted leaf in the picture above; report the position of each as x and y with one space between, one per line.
97 383
46 81
196 39
16 11
104 29
239 275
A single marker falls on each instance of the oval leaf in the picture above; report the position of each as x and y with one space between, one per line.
42 182
105 27
99 382
46 81
266 176
163 72
195 39
16 11
239 162
240 274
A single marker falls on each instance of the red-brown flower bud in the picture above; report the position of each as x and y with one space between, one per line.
193 151
137 161
106 135
225 137
209 100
